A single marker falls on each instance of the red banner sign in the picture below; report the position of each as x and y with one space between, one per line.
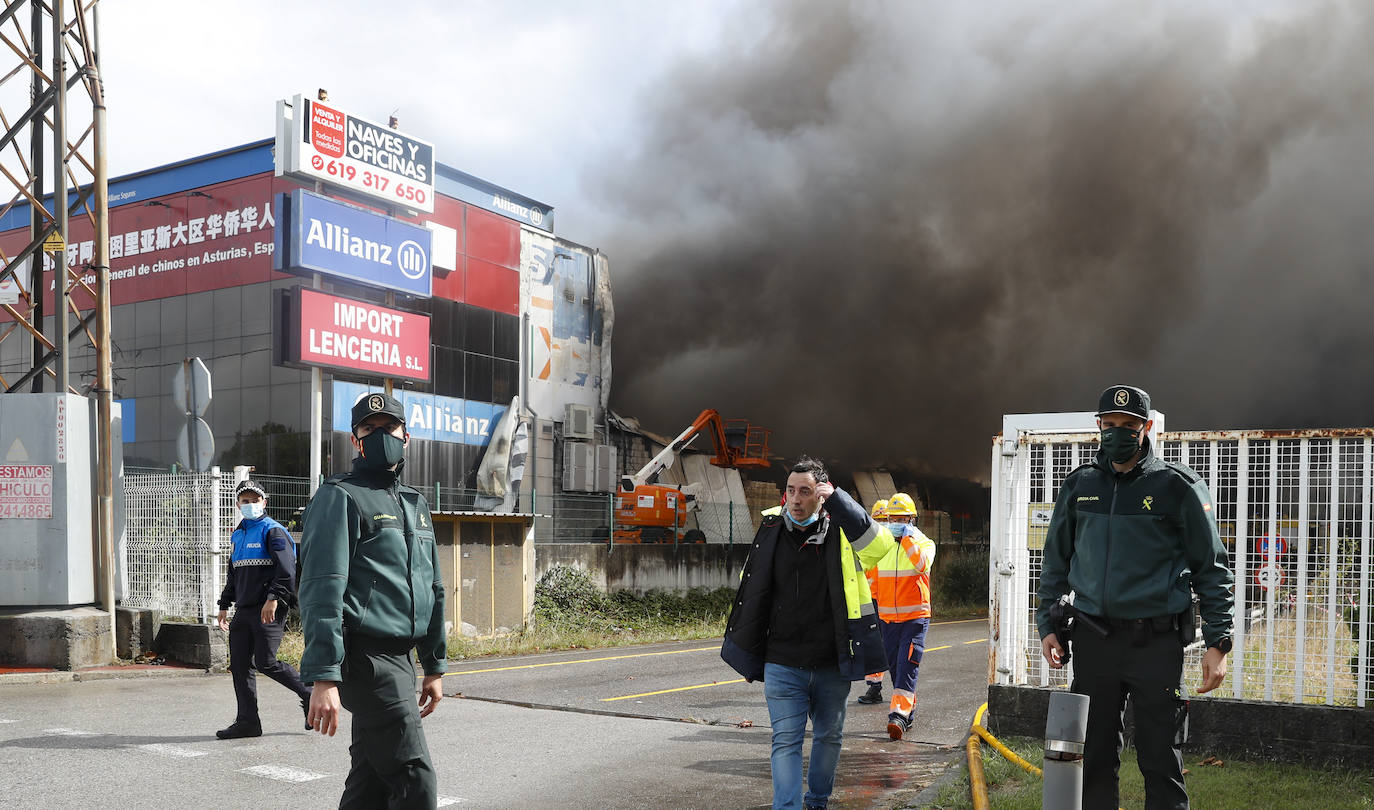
336 332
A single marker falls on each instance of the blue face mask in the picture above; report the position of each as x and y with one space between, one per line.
802 524
252 511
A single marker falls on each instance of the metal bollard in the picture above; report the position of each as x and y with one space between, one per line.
1066 727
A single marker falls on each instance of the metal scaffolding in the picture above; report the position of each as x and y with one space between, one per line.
56 294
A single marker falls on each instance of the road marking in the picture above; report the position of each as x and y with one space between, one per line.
581 661
678 689
69 732
283 773
984 620
8 721
933 649
168 750
976 641
445 801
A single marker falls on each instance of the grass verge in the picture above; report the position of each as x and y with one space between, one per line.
1231 785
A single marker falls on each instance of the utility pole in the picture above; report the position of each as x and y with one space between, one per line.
60 135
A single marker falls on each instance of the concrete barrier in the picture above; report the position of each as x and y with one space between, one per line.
199 645
646 567
1325 736
67 638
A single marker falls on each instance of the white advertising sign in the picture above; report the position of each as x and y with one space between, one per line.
328 144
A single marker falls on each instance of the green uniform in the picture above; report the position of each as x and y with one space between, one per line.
370 591
1133 547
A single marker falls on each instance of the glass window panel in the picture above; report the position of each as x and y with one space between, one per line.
505 377
478 334
228 312
477 377
506 336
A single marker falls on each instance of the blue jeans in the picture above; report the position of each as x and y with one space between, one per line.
793 695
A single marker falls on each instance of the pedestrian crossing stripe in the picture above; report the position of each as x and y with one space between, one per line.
283 773
167 750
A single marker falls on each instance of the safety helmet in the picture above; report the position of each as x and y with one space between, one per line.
901 505
879 508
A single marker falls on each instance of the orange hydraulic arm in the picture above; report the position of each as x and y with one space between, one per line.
738 445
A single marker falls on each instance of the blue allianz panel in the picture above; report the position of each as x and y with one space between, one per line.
129 433
428 416
323 235
572 272
474 190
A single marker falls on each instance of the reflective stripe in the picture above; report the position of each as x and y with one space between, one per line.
868 537
888 610
905 572
902 702
866 608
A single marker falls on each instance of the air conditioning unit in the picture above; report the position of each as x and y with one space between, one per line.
577 421
605 469
579 467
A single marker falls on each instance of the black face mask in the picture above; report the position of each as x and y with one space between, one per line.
1120 443
381 450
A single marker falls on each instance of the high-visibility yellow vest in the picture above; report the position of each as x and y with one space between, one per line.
900 581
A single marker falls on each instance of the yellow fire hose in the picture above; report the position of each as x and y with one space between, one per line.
977 780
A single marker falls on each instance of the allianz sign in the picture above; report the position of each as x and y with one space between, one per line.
317 234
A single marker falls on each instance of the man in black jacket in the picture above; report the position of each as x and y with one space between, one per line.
803 622
261 583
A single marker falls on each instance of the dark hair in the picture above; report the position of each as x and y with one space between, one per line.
807 464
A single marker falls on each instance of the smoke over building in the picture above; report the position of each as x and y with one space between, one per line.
877 227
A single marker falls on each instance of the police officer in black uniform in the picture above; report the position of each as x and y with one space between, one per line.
261 584
1134 537
371 591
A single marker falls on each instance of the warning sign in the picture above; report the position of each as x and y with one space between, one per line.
26 491
53 243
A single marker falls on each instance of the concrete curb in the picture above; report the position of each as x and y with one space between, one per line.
67 676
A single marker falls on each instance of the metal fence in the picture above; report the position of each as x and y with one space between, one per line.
1293 509
175 526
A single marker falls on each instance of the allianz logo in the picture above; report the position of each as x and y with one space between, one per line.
408 257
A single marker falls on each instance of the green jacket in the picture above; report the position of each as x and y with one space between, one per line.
369 565
1133 545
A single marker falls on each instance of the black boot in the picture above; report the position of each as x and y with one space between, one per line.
238 730
873 695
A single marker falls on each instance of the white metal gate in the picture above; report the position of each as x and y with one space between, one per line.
1293 509
177 525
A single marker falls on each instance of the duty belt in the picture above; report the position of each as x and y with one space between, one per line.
1141 630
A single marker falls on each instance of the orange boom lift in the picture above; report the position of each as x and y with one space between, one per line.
646 512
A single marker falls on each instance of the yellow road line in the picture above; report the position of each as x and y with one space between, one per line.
579 661
976 641
679 689
715 683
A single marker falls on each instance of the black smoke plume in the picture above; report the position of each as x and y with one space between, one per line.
877 227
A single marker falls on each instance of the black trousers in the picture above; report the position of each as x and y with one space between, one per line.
1107 670
253 646
391 767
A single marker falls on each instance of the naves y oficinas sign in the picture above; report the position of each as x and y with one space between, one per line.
318 235
326 143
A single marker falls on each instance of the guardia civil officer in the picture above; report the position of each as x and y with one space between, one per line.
371 592
261 584
1133 537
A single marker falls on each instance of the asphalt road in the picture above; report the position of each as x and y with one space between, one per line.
658 726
